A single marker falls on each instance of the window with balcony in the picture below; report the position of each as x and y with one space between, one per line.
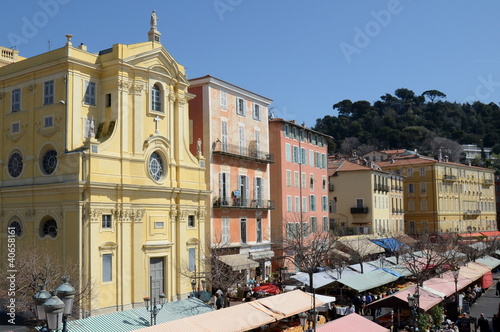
241 132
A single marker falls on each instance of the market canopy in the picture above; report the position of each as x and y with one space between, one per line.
390 244
446 283
361 245
243 317
133 319
428 298
368 280
320 279
351 323
488 261
238 262
491 233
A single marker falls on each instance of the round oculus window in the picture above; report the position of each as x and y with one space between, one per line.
49 161
155 166
15 165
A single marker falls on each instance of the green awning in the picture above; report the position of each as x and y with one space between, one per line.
369 280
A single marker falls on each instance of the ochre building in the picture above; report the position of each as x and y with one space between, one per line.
96 165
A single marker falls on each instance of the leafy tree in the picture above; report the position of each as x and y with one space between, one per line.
404 94
433 95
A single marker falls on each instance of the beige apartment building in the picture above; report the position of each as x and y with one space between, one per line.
365 199
441 196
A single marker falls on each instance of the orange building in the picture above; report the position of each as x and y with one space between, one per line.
299 180
230 129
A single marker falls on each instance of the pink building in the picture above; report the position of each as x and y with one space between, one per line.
299 181
230 129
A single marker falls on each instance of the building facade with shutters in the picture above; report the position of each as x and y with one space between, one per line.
441 196
364 200
230 126
96 165
299 182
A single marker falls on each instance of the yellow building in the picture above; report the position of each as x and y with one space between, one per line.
96 162
441 196
365 199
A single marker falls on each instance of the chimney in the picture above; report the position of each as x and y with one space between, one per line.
83 47
445 158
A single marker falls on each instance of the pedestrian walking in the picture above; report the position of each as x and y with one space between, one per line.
219 303
498 288
483 324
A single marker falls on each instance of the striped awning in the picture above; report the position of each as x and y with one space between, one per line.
131 320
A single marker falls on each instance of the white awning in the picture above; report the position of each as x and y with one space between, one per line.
265 254
238 262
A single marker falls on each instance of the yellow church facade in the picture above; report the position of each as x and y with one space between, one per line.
96 165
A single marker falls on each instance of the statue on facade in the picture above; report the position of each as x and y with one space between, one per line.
198 147
154 20
92 128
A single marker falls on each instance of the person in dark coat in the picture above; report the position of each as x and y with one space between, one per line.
483 324
496 323
219 303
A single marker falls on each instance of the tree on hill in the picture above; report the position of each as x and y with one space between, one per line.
433 95
404 120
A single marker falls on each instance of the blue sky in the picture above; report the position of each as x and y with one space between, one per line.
305 55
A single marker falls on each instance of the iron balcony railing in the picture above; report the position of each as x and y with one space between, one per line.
359 210
450 178
249 153
242 203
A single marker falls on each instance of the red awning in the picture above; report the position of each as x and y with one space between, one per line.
477 234
487 280
491 233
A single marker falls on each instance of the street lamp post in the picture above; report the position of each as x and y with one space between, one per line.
303 319
56 308
456 272
155 307
414 304
195 284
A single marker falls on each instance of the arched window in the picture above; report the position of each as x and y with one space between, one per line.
156 98
16 227
48 228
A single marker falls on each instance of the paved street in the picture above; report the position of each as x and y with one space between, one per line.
488 303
